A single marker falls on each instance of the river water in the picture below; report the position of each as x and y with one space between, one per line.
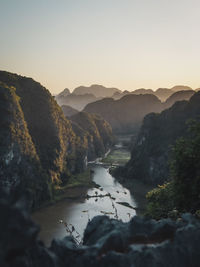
78 210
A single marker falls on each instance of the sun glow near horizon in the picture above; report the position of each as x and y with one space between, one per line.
124 44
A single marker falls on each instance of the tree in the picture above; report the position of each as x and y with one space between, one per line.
183 192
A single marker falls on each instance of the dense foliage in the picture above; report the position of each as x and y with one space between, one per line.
183 192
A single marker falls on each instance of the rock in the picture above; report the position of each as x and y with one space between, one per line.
107 242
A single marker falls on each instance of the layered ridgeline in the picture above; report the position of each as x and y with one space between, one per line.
75 101
161 93
83 95
38 148
150 154
125 115
178 96
69 111
94 132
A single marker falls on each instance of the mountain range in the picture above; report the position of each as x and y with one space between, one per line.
38 147
81 96
150 154
125 115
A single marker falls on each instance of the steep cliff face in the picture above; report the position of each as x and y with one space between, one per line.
52 139
94 132
149 159
19 162
126 114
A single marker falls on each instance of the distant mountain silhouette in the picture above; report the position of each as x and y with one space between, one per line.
127 113
143 91
181 88
178 96
69 111
96 90
75 101
64 93
84 95
163 93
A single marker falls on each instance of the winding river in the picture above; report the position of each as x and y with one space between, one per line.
79 209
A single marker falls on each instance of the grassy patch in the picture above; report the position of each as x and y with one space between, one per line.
117 157
72 190
83 179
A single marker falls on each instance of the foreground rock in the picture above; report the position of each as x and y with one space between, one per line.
141 242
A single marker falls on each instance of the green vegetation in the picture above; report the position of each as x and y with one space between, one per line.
182 194
39 149
83 179
117 157
160 201
19 161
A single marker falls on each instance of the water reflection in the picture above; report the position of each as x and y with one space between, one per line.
78 211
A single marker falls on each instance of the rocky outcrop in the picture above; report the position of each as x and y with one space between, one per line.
20 167
94 132
107 242
39 148
150 154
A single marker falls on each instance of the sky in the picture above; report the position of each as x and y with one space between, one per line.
128 44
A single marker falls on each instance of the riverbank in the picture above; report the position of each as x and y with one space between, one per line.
139 190
79 202
83 180
76 185
119 154
77 209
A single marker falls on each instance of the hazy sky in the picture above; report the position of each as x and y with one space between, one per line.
127 44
